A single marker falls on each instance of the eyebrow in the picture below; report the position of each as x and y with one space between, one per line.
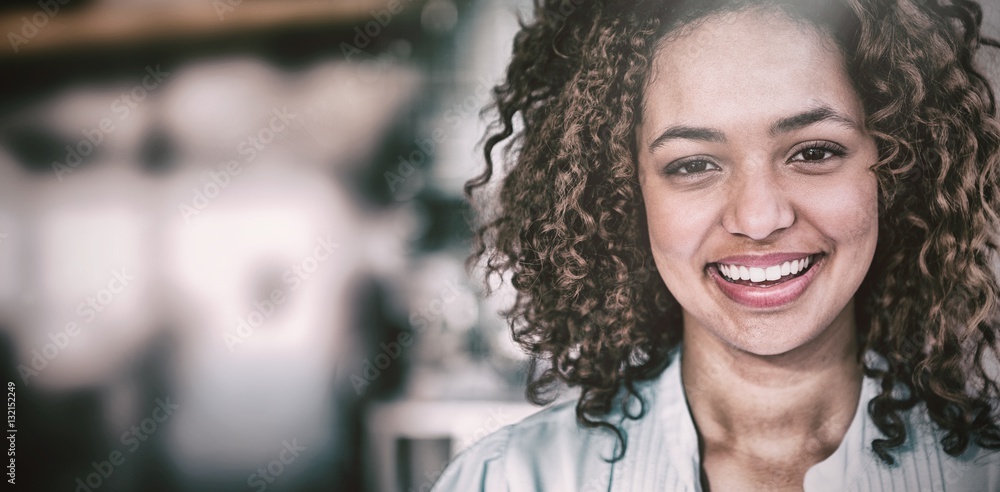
687 133
784 125
816 115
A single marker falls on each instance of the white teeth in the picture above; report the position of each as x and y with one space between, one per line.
771 273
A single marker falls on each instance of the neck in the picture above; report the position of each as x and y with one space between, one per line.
802 400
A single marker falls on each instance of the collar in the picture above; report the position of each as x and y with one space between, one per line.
663 451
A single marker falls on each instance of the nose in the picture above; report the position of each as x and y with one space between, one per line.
758 206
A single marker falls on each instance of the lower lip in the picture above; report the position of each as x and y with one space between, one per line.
773 296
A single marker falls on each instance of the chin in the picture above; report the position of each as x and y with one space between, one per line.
771 337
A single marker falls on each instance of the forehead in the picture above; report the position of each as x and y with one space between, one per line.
751 62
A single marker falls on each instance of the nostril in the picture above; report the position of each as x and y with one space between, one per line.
758 214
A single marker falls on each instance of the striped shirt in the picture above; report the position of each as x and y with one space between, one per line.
550 452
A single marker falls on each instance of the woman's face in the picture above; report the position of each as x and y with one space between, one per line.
754 168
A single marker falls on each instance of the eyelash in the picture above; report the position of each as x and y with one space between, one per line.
834 149
675 168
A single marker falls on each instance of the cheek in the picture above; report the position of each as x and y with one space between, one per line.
677 228
846 211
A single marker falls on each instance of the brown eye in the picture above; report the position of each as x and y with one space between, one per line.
813 154
819 152
697 166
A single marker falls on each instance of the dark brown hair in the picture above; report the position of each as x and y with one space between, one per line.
567 223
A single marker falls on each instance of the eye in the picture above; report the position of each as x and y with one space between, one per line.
818 152
815 154
695 166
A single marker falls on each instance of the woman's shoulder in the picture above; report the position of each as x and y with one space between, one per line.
976 468
548 450
920 463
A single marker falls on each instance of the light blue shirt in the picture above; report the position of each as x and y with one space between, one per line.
550 452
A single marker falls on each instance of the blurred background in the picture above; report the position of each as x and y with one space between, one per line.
232 238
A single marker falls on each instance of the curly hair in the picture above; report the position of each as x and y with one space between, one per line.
566 220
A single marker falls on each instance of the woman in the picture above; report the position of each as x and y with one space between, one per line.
759 237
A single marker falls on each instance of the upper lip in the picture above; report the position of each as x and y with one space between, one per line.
762 261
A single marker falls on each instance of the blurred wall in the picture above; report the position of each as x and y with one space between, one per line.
231 241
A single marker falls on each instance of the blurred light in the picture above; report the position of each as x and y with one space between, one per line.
439 16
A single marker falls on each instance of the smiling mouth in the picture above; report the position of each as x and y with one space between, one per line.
766 276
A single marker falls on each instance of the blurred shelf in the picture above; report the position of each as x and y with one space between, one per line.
103 25
463 423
